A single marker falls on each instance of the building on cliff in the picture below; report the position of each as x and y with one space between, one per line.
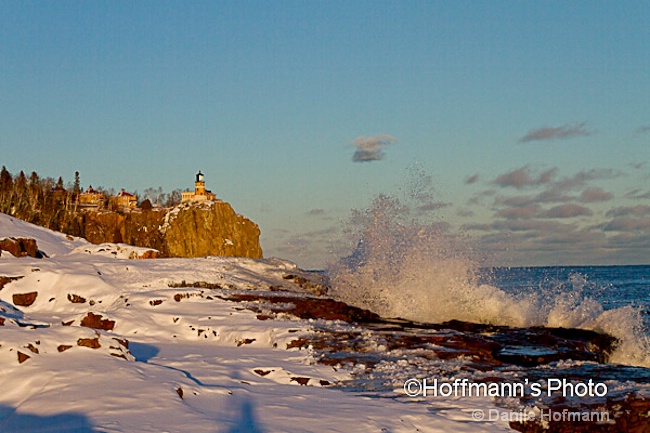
126 200
90 199
199 193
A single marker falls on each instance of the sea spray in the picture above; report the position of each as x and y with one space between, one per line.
421 271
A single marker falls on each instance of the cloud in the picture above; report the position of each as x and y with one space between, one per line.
523 212
624 224
567 210
433 206
519 178
638 194
371 148
595 194
624 211
471 179
315 212
552 195
523 177
582 177
561 132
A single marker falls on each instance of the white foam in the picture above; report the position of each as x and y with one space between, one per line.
420 272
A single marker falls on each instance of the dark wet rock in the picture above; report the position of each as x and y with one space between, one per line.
304 308
486 346
24 299
624 414
308 284
95 321
489 353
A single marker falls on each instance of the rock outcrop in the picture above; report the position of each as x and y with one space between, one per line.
20 247
214 229
188 230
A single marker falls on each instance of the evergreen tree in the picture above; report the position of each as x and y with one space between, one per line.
6 181
6 190
20 201
76 189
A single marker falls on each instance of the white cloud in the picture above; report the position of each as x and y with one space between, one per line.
371 148
561 132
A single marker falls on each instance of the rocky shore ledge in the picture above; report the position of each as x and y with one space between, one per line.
489 352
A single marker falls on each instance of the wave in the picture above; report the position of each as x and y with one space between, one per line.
402 267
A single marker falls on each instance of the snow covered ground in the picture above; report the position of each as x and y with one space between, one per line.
194 362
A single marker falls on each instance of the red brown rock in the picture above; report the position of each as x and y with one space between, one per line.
63 347
24 299
93 343
302 381
6 280
149 254
95 321
122 341
21 247
76 299
22 357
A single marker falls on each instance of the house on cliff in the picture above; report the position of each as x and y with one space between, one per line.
90 199
126 200
200 193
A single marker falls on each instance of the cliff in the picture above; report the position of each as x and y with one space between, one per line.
188 230
210 229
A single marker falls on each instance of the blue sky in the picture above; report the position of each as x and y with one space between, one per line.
530 120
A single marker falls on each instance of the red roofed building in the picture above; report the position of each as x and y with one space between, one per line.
126 200
90 199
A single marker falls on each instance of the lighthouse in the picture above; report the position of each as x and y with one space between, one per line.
199 185
200 193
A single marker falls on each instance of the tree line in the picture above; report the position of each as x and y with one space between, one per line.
51 203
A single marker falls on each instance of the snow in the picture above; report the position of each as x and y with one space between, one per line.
234 371
52 243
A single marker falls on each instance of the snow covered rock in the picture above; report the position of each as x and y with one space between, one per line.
21 247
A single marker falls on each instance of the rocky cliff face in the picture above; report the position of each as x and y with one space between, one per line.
188 230
210 229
